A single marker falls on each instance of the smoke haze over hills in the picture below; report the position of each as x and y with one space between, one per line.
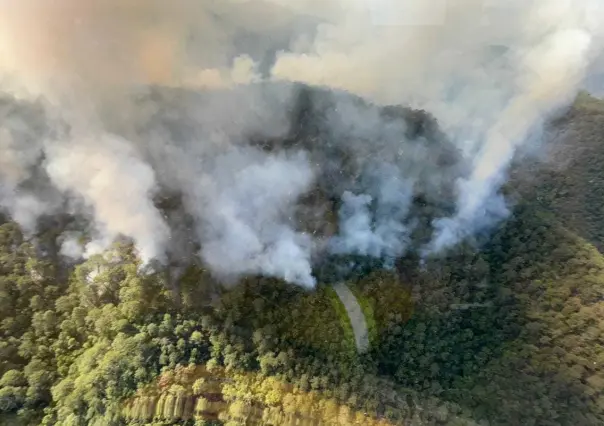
109 104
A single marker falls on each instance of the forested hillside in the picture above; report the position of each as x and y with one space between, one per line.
504 331
569 182
74 351
510 335
301 213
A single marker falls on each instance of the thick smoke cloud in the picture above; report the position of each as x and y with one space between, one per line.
381 232
21 142
246 231
109 105
106 172
489 71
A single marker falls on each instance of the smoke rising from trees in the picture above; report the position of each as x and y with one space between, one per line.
109 105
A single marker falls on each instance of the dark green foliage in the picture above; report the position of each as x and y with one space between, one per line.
512 333
509 332
552 368
570 183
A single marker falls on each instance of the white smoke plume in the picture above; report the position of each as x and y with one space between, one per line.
117 185
490 71
382 231
110 142
246 229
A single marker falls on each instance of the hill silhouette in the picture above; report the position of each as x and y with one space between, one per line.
501 331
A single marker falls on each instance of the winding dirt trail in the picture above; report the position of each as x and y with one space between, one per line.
355 313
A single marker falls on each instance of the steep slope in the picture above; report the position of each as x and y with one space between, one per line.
529 350
557 281
239 398
509 333
570 181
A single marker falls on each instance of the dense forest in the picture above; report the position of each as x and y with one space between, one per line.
504 331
